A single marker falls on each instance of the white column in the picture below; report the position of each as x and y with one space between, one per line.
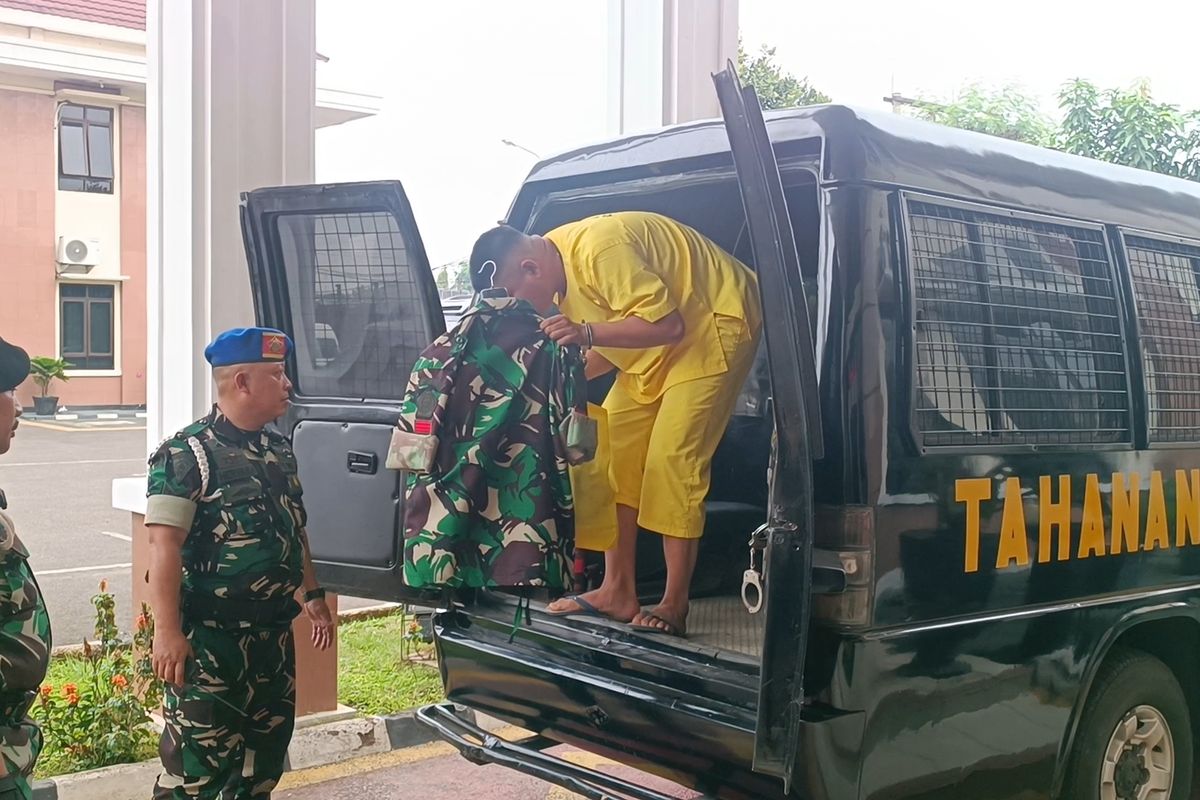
635 65
661 56
699 38
230 95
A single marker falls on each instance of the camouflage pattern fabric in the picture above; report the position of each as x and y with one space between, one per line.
25 644
230 726
495 509
245 542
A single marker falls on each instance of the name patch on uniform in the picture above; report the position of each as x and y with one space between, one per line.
274 346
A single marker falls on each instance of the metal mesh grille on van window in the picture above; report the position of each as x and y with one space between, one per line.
1018 336
1166 288
358 314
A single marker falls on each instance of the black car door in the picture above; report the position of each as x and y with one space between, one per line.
341 268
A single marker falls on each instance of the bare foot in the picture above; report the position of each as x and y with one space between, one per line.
595 603
662 618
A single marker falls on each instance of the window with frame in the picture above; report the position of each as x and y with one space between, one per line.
1166 289
1017 330
359 314
88 325
85 149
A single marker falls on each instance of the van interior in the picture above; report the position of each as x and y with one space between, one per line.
719 627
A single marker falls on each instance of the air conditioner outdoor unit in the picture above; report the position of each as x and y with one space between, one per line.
78 252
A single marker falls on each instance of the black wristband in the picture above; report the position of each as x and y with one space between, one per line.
314 594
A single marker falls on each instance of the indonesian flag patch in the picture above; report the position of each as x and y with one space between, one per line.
274 346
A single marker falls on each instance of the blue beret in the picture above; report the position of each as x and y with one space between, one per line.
248 346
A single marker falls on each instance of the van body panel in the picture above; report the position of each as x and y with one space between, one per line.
982 633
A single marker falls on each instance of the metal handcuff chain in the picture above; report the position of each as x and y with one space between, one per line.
754 578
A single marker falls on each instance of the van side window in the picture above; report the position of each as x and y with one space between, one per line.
1017 329
359 322
1166 290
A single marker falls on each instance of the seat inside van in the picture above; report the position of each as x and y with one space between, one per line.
737 499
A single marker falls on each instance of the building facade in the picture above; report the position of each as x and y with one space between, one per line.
73 190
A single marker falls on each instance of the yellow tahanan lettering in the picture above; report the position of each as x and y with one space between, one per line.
1051 515
1187 507
1091 526
972 491
1156 516
1013 547
1126 513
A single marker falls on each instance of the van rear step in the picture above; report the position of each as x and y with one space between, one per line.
480 747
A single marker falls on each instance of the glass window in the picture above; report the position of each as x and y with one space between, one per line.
100 151
85 146
88 325
72 149
1018 338
1166 288
359 318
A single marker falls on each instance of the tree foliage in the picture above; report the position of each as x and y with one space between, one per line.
775 88
1006 112
1123 126
1128 126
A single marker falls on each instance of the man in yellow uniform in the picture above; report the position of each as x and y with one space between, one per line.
679 319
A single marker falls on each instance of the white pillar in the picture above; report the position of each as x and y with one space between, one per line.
699 38
661 57
230 95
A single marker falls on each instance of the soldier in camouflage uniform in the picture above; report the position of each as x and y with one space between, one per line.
228 554
24 624
508 408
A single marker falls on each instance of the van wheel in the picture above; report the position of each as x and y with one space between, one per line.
1134 740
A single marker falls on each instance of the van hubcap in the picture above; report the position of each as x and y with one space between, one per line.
1139 762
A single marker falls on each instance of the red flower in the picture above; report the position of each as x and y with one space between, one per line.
119 681
72 699
46 689
70 688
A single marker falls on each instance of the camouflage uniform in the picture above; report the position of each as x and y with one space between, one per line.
24 655
231 724
495 509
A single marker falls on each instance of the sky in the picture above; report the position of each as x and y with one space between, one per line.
458 76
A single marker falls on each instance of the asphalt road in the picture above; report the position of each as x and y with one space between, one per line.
58 479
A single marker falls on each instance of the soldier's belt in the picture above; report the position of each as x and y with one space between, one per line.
14 706
276 611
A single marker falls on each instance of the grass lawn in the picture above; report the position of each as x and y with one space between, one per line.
373 677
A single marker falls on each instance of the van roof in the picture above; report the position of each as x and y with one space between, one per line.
896 150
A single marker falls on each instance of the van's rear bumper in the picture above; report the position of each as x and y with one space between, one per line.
480 747
689 721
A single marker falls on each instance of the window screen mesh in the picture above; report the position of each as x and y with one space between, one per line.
358 313
1018 337
1167 290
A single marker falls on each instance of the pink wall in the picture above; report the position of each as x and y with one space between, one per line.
27 185
133 255
28 292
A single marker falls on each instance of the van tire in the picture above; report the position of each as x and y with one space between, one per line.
1130 682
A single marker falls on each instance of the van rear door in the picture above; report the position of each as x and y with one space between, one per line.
789 527
341 268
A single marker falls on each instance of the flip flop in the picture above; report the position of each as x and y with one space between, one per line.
669 628
586 609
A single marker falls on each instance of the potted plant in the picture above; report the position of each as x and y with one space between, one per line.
44 370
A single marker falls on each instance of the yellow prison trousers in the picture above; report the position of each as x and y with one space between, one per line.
661 452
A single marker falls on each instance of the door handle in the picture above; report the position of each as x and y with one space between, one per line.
362 463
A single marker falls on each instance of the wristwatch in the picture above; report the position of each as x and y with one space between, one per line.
314 594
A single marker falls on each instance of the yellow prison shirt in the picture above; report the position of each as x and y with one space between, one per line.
635 263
